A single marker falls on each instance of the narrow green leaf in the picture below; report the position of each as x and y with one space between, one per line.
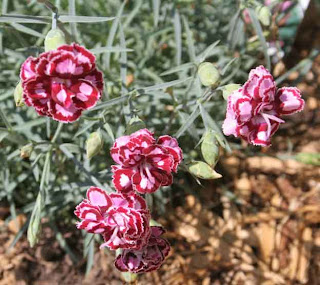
156 11
30 124
188 122
72 13
4 8
202 56
112 33
27 30
110 49
182 67
73 148
257 27
24 19
85 128
85 171
20 233
63 243
226 67
177 36
123 73
107 127
135 11
190 41
90 256
233 24
112 102
83 19
165 85
5 120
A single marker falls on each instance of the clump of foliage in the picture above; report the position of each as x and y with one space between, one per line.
150 53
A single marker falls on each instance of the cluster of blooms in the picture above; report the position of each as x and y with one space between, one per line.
123 218
254 110
62 83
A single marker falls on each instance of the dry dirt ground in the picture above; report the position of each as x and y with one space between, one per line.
259 224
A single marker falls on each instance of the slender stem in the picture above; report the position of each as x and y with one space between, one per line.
58 130
4 119
54 20
49 5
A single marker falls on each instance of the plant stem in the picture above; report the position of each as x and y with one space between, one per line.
6 122
56 134
54 20
49 5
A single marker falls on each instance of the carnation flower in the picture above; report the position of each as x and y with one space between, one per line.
144 164
148 258
62 83
254 110
122 220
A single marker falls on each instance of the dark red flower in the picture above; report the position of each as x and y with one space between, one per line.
144 164
148 258
62 83
122 220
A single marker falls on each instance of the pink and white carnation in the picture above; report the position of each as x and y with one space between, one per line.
123 221
148 258
62 83
254 111
144 164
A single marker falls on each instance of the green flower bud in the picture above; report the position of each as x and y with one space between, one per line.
228 89
208 74
210 148
134 125
94 144
202 170
264 15
34 227
26 151
18 92
54 39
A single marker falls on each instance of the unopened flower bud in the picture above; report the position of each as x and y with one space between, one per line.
34 227
54 39
202 170
134 125
209 74
94 144
228 89
210 148
26 151
18 92
264 15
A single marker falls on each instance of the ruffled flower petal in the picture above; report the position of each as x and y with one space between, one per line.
148 258
254 111
144 164
290 100
62 83
123 221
